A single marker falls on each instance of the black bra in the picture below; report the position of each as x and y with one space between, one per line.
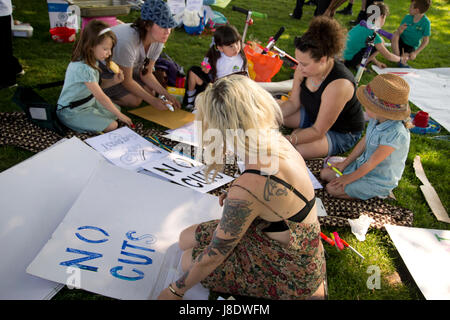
299 216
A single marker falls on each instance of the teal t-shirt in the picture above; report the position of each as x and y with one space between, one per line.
74 89
414 32
356 40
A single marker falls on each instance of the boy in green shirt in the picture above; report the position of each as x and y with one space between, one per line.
414 32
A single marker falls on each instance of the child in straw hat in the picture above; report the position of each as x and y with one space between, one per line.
376 164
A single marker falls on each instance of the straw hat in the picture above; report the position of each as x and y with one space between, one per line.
387 96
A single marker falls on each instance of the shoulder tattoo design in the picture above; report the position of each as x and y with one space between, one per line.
235 213
272 188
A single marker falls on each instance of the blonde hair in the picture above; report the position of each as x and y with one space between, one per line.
237 103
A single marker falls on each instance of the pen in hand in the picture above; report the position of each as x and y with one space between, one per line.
338 173
168 105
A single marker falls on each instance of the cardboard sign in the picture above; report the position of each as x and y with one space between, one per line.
430 193
426 253
186 172
166 118
125 148
114 239
35 195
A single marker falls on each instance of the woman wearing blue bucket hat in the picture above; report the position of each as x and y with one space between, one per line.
138 47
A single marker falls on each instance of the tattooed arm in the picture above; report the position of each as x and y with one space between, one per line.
237 216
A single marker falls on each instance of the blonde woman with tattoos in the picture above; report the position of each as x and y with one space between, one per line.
267 243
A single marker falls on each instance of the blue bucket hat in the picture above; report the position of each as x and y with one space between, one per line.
159 12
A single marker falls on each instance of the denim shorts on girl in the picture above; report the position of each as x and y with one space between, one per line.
338 142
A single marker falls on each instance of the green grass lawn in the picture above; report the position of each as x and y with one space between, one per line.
46 61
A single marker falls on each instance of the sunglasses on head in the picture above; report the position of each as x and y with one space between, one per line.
145 66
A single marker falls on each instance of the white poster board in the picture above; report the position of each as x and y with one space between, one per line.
114 238
185 134
125 148
430 90
426 253
186 172
35 195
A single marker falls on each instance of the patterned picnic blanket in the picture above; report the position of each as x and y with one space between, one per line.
17 130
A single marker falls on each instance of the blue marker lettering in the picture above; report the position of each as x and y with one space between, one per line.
79 236
76 262
114 271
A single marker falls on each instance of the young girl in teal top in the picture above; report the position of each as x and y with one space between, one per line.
82 105
376 164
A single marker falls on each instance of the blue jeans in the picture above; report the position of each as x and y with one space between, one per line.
338 142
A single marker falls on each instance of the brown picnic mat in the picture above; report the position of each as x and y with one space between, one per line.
17 130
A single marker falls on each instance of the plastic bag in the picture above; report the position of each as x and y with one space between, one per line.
261 67
193 22
218 20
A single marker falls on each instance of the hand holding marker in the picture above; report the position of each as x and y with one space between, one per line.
338 173
168 105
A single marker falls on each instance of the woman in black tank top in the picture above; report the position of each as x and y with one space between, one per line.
323 109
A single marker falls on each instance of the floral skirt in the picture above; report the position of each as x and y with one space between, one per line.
264 268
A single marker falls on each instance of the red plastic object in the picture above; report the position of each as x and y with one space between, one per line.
338 241
63 34
328 240
180 82
421 119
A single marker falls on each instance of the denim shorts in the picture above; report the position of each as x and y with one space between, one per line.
338 142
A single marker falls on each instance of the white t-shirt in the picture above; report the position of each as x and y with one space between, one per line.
129 51
227 65
5 8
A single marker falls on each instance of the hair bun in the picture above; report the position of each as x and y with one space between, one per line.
328 35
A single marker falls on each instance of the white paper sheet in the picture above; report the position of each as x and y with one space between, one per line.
429 90
123 223
185 134
426 253
125 148
186 172
35 195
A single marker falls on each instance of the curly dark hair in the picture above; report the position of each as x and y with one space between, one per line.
325 37
422 5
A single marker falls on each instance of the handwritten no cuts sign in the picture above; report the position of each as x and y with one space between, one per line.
114 238
186 172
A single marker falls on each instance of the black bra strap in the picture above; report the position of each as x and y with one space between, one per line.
284 183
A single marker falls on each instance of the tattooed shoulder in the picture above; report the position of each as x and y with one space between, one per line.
235 213
272 188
